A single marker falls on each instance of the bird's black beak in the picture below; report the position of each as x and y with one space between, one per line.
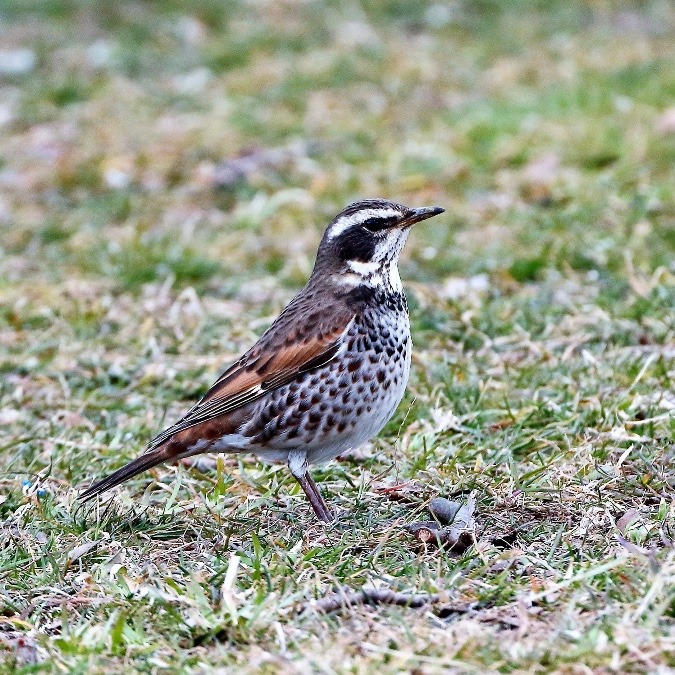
416 215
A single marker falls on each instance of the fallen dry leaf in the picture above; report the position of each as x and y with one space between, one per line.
79 551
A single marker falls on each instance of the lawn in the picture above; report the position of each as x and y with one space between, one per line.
166 172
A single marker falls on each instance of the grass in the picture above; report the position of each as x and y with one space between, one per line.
542 310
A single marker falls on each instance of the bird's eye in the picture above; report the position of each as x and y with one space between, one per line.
377 223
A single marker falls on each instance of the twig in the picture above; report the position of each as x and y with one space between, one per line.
372 596
51 603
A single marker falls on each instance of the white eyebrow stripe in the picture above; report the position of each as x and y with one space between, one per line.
346 222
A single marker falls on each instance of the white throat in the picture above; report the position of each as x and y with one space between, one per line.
363 268
372 274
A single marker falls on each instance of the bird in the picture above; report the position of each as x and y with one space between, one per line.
328 373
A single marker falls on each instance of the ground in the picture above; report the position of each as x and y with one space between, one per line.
166 172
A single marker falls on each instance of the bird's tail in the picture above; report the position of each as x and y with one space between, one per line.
146 461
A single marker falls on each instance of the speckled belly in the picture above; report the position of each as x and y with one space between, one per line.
343 404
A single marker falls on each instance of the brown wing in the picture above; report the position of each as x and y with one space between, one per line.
290 347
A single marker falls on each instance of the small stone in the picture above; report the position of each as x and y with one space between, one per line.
17 61
666 123
6 115
9 416
455 288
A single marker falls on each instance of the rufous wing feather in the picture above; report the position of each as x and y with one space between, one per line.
262 369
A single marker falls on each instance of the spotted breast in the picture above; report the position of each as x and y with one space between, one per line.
347 401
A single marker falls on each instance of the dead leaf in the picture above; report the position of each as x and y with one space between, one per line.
76 553
458 536
626 519
631 547
444 510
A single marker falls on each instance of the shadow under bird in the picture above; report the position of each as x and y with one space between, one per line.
329 372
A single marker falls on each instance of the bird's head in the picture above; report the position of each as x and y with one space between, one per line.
364 240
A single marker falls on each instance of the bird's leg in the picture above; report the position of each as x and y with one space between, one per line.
297 463
313 493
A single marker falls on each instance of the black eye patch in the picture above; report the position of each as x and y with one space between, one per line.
377 223
356 245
